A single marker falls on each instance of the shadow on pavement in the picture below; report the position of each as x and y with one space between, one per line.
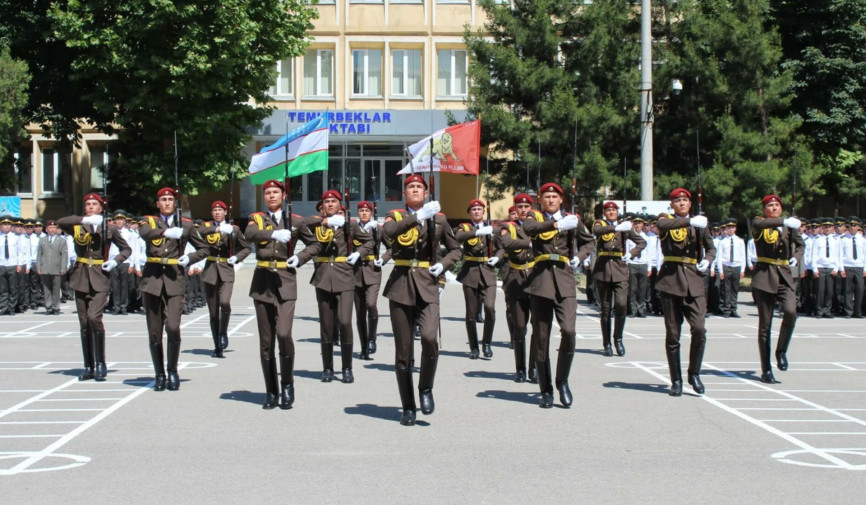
244 396
375 411
511 396
652 388
589 351
481 374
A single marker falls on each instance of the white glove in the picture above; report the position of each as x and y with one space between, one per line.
791 222
574 263
793 261
353 258
109 265
336 221
282 236
587 262
623 226
626 257
378 262
484 230
428 210
183 260
174 233
232 260
436 270
94 220
441 291
493 261
569 222
225 228
698 221
293 262
703 265
557 216
370 226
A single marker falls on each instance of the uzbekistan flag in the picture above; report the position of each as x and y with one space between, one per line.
307 152
455 150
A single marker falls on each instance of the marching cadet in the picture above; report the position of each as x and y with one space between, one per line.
11 263
853 261
89 279
779 247
825 267
415 235
274 290
163 283
52 261
731 267
368 278
339 246
688 251
611 272
639 268
478 276
227 246
518 250
560 243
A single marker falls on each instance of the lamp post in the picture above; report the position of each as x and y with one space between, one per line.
646 103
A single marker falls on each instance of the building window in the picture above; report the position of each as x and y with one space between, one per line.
406 72
52 180
319 72
452 72
285 76
100 164
367 72
24 169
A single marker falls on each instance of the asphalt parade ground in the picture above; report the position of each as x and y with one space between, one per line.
623 441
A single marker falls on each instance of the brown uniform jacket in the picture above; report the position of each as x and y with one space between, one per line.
475 272
330 275
517 266
271 285
410 241
679 241
155 276
216 269
774 245
609 244
366 272
551 276
89 245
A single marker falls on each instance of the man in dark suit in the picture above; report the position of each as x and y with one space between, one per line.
163 283
52 261
779 247
688 251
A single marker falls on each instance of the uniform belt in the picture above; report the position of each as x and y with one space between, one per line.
88 261
551 257
330 259
412 263
217 259
163 261
611 253
681 259
476 259
370 257
271 264
521 266
773 261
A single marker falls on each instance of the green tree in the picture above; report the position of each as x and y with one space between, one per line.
13 97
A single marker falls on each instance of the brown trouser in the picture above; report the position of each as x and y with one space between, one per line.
403 320
274 321
543 310
162 312
219 298
335 308
693 310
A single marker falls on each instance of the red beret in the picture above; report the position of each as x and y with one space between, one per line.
364 204
523 198
219 203
551 186
679 193
610 205
415 178
94 196
166 191
51 222
331 193
512 209
771 198
273 183
475 203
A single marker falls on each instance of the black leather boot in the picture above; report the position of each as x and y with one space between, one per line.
425 383
766 369
363 338
563 369
269 370
544 384
696 357
676 372
472 333
287 382
86 375
173 356
607 350
156 356
327 362
99 370
785 334
224 330
520 360
215 334
372 324
346 359
407 396
87 351
487 337
618 328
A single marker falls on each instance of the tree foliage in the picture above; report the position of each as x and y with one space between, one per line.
13 97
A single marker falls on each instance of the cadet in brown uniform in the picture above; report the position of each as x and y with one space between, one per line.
274 289
611 272
477 276
89 279
518 249
334 278
368 278
683 241
227 247
560 243
779 247
413 289
163 282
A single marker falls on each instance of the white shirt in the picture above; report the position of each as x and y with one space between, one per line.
731 252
